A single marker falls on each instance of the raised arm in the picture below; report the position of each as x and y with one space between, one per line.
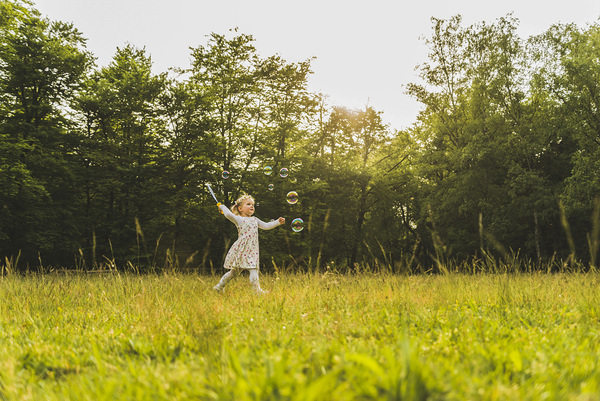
230 216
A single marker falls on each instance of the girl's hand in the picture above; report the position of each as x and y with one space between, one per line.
281 221
219 206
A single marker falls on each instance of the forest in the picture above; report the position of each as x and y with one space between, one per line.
106 167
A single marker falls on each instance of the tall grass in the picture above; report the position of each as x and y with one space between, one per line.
313 337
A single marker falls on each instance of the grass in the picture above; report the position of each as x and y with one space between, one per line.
314 337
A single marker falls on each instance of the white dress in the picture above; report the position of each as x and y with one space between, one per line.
243 254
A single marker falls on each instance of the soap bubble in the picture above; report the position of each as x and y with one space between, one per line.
297 225
271 186
283 172
225 174
268 170
292 197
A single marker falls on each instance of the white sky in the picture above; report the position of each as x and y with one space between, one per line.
366 51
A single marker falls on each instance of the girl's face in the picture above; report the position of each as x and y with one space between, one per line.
246 208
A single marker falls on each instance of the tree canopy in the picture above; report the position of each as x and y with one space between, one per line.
108 165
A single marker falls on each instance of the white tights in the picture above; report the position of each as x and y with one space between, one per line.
233 273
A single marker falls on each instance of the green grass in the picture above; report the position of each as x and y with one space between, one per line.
314 337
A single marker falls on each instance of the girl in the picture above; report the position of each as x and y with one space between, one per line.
243 254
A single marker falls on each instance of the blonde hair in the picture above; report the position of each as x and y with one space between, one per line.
238 203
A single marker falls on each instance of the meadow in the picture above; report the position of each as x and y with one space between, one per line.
315 336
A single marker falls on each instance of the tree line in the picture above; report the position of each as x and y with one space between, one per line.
106 166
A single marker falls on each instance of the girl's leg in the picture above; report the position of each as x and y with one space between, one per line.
225 279
254 281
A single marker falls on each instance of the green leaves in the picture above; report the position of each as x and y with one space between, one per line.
41 68
508 127
492 140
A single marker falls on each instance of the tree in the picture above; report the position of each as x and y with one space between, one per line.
482 142
41 64
225 73
289 104
569 74
347 146
123 151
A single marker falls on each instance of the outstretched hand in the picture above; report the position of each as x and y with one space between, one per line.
281 220
219 207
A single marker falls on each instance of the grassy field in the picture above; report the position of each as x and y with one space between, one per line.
314 337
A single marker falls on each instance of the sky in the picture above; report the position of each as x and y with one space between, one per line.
365 52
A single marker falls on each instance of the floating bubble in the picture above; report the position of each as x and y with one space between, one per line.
283 172
225 174
292 197
268 170
271 186
297 225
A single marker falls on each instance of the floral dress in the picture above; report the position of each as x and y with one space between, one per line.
243 254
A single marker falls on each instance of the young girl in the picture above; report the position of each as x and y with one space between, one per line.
243 254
